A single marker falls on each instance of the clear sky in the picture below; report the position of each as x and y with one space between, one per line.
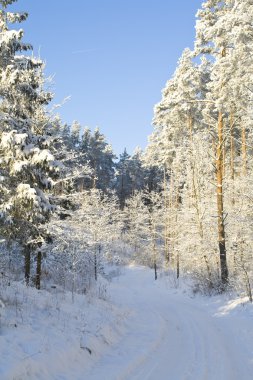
113 57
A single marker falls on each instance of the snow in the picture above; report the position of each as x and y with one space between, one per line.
143 329
18 166
24 190
48 335
42 155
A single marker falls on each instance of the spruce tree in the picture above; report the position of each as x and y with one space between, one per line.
27 164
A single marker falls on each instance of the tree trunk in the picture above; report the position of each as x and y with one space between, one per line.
155 268
223 159
166 227
232 156
244 152
209 273
190 124
27 264
232 147
153 235
178 266
38 270
171 218
95 264
219 181
175 233
122 193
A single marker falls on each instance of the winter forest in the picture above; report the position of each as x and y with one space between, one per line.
80 228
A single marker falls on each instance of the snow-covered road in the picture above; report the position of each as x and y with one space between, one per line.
146 330
171 336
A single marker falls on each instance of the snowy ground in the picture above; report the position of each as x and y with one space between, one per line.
147 331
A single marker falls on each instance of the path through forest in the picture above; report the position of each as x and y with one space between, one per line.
172 336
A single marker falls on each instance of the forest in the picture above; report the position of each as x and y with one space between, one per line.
69 208
183 204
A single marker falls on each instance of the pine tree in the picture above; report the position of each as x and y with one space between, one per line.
75 134
123 180
27 164
99 155
223 32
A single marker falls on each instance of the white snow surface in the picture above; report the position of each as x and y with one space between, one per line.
145 330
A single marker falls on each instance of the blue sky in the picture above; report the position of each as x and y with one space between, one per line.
113 57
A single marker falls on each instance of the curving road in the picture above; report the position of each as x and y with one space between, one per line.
170 336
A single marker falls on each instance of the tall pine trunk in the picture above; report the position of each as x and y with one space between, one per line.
166 226
220 209
244 152
232 147
155 255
